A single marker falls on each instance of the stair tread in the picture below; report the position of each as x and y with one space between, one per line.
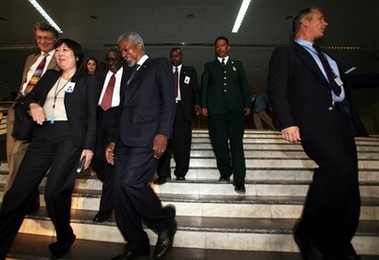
228 199
33 247
216 224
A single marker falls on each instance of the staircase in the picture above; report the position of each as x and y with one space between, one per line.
214 222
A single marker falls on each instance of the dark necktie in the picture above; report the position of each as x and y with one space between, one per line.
329 72
133 74
106 103
36 75
176 77
223 62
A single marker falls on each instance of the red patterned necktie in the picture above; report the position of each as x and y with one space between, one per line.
106 103
36 75
176 77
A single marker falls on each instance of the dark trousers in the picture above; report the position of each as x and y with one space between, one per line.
134 199
51 147
180 145
104 170
331 212
223 128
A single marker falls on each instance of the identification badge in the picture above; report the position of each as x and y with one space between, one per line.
187 80
70 87
338 81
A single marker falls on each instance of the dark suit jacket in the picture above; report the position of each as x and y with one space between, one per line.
80 105
148 106
224 88
189 89
30 60
301 96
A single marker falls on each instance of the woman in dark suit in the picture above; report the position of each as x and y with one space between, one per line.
63 105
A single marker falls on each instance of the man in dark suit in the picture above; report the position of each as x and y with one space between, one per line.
111 81
147 113
225 98
187 104
315 109
45 36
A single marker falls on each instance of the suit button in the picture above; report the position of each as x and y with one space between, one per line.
225 90
330 108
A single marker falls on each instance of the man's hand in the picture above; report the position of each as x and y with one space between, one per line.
291 134
160 145
198 109
204 111
109 153
247 111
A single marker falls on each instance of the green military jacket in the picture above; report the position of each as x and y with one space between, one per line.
224 88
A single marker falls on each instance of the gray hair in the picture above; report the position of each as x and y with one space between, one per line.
46 27
133 37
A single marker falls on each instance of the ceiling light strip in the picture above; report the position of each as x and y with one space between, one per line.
241 15
45 15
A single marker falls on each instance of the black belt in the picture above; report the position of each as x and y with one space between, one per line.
337 105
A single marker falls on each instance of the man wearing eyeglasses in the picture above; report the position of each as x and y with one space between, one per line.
111 82
46 36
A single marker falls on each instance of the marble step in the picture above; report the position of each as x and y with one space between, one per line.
27 246
233 206
273 235
229 206
252 174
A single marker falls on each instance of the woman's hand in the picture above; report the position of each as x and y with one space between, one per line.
89 155
37 113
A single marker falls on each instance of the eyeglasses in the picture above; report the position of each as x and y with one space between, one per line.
45 38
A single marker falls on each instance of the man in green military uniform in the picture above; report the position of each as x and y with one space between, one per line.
225 98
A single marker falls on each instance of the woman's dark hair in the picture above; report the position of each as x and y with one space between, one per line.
84 66
75 47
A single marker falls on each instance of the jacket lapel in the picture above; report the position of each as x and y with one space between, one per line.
308 60
131 87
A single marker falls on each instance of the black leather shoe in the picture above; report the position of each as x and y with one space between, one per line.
309 251
165 241
240 188
162 180
224 178
180 178
102 216
59 249
129 255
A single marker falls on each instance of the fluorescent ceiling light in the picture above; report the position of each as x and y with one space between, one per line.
45 15
241 15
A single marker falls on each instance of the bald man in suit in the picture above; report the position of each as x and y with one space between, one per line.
45 36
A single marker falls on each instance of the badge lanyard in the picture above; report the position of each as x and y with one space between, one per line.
56 93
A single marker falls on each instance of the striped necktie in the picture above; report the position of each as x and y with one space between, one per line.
36 75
